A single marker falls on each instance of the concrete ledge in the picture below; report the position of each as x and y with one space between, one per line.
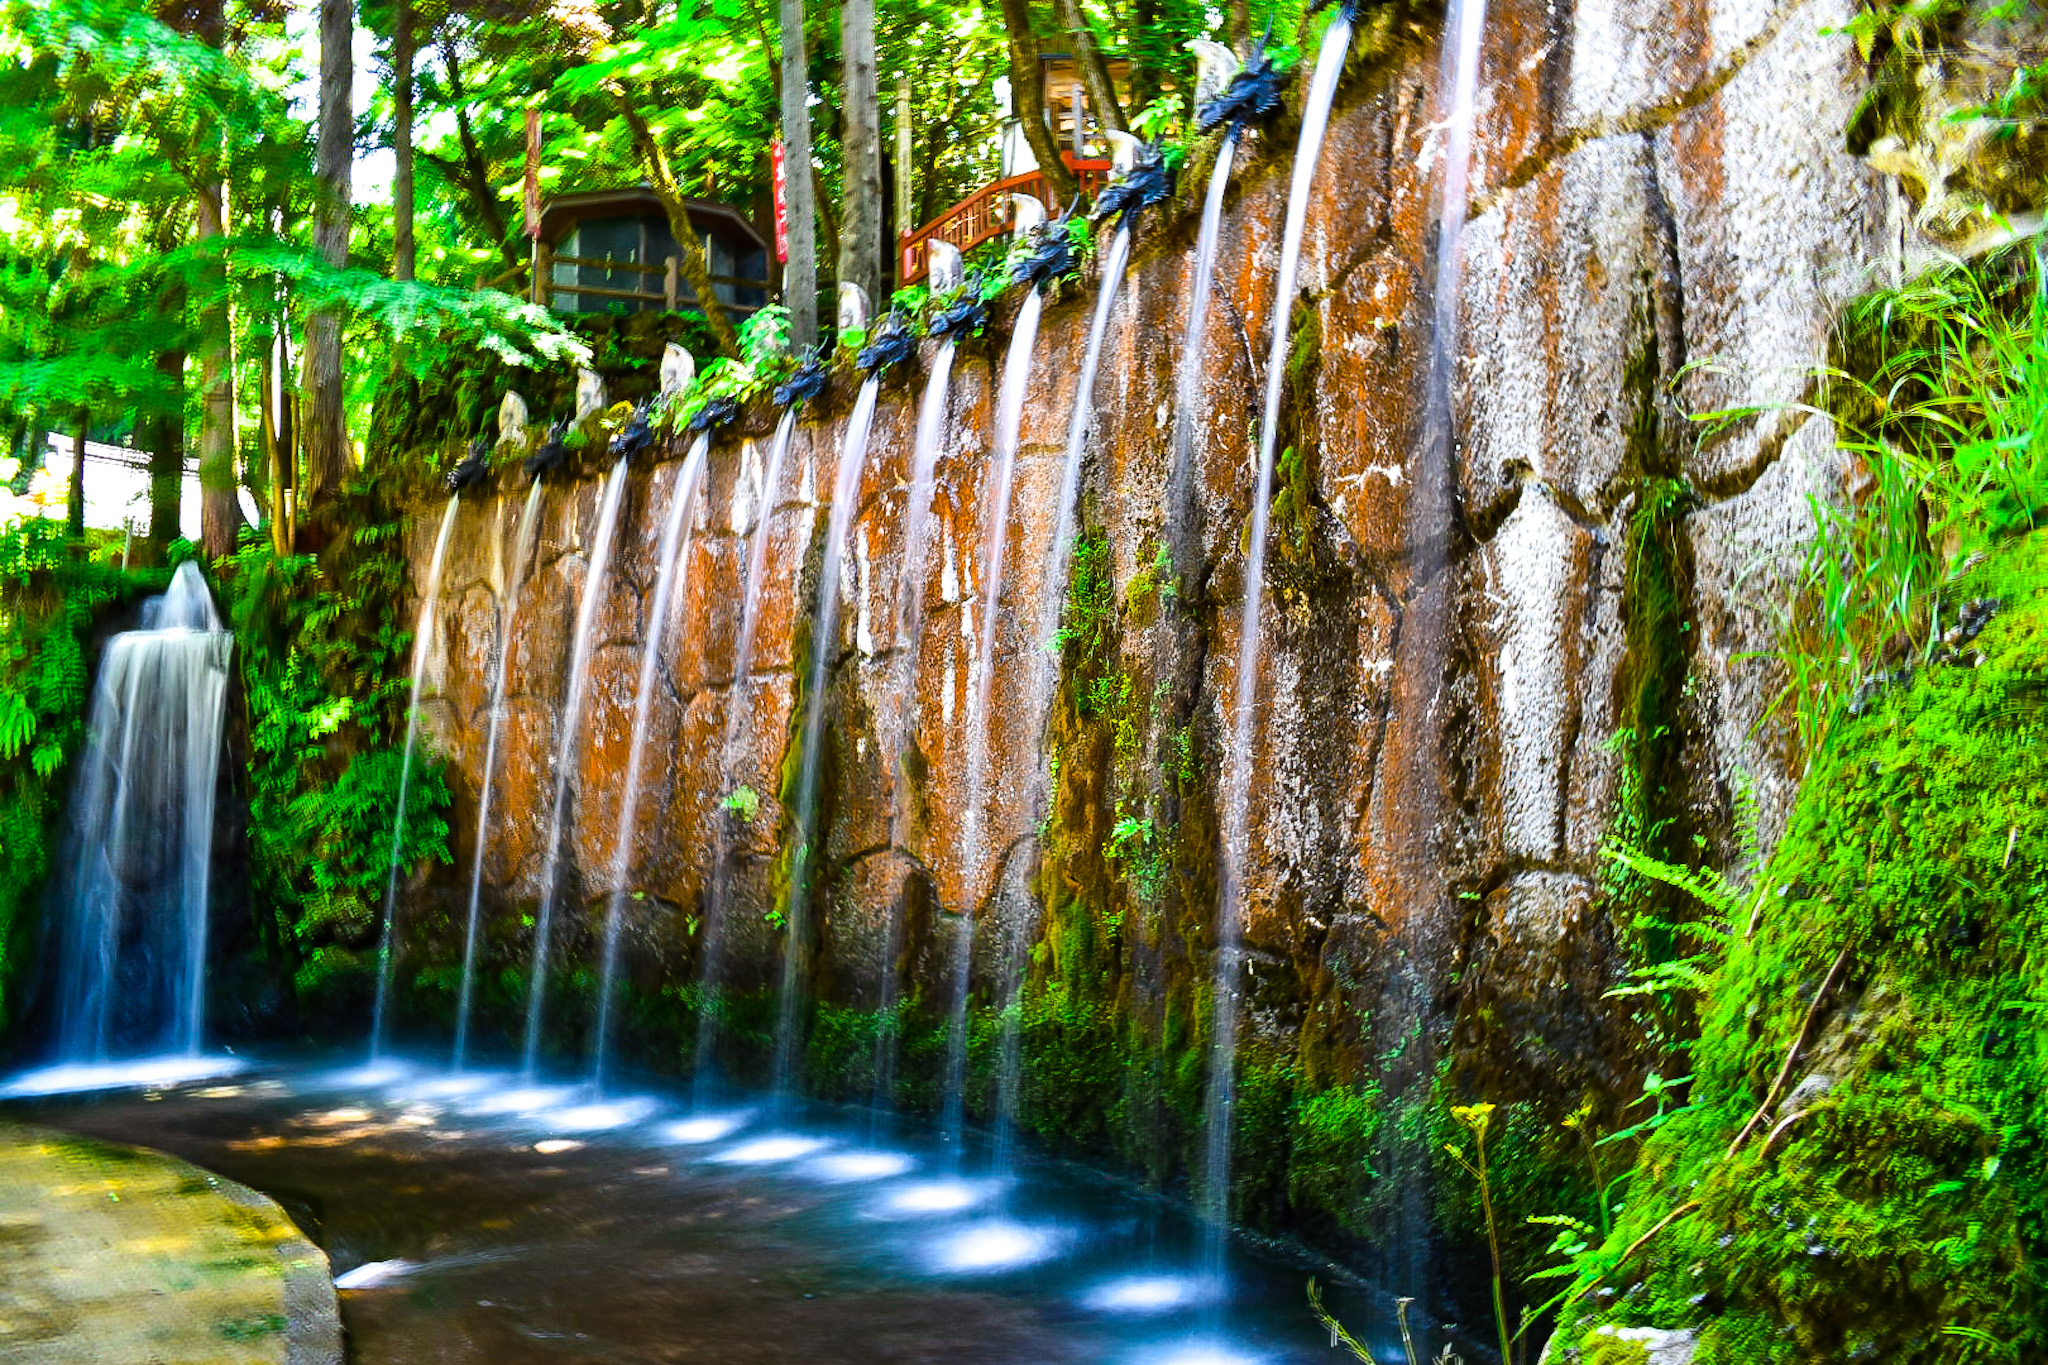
119 1254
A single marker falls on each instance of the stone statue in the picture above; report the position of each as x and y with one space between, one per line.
512 419
678 371
589 394
853 307
944 269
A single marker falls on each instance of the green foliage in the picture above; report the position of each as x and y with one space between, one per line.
1941 387
323 672
51 597
1858 1171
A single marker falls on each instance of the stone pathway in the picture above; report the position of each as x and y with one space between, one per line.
117 1255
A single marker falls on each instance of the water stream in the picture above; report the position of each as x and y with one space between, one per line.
996 517
672 571
1187 404
133 930
594 582
474 1218
853 455
910 604
422 643
1219 1101
522 552
1044 676
732 748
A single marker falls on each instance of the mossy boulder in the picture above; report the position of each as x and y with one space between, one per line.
1859 1172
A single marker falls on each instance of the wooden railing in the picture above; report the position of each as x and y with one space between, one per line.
988 213
673 288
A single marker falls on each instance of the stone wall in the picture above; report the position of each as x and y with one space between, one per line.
1664 223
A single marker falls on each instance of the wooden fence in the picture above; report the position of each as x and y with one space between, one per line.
988 213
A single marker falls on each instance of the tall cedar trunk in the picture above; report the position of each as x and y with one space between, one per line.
690 259
800 272
404 256
1241 25
860 230
327 459
1094 72
167 459
1144 77
220 515
74 501
1027 90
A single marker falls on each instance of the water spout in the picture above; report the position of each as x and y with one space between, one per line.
522 552
594 580
422 640
673 559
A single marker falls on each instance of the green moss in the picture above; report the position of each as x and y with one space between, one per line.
1888 1202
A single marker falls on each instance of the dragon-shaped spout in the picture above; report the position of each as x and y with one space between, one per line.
1144 179
1227 93
551 455
893 342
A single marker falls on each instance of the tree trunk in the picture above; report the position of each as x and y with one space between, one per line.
220 515
167 460
1241 26
1144 76
1027 94
74 501
471 172
860 229
1094 71
404 256
800 272
690 259
327 457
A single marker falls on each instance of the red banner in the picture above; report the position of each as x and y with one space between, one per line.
781 204
533 172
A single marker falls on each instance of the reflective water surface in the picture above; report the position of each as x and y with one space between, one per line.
477 1217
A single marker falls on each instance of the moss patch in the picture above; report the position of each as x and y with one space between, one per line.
1880 1197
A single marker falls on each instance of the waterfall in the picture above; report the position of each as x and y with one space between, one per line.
1045 673
1236 794
522 551
140 845
1009 419
1408 1004
422 638
917 529
672 559
594 579
710 978
1187 406
853 455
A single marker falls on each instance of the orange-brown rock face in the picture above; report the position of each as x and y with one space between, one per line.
1663 223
